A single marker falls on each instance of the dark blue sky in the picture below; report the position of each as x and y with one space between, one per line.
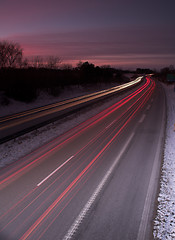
124 33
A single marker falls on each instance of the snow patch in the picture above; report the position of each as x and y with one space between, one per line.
23 145
45 99
164 222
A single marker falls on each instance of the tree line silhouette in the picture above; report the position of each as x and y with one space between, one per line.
25 84
23 80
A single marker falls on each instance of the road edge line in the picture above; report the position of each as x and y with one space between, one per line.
147 205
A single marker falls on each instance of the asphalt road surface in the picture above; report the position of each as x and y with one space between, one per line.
97 181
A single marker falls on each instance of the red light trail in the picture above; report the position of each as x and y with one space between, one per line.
142 95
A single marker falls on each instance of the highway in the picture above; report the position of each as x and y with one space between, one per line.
22 122
97 181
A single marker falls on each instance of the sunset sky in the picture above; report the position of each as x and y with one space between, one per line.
121 33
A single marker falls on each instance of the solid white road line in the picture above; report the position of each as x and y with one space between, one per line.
97 191
147 205
142 118
54 171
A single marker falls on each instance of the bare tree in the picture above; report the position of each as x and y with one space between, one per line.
53 62
25 63
10 54
38 62
66 66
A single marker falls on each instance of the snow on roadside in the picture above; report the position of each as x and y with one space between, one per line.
164 222
44 98
21 146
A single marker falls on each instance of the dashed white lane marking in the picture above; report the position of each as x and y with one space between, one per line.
97 191
142 118
148 107
110 124
54 171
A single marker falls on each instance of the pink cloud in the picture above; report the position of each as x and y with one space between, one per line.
115 47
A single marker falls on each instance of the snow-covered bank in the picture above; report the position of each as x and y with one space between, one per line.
164 223
21 146
44 98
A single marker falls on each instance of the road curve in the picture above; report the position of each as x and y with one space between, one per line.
19 123
93 182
